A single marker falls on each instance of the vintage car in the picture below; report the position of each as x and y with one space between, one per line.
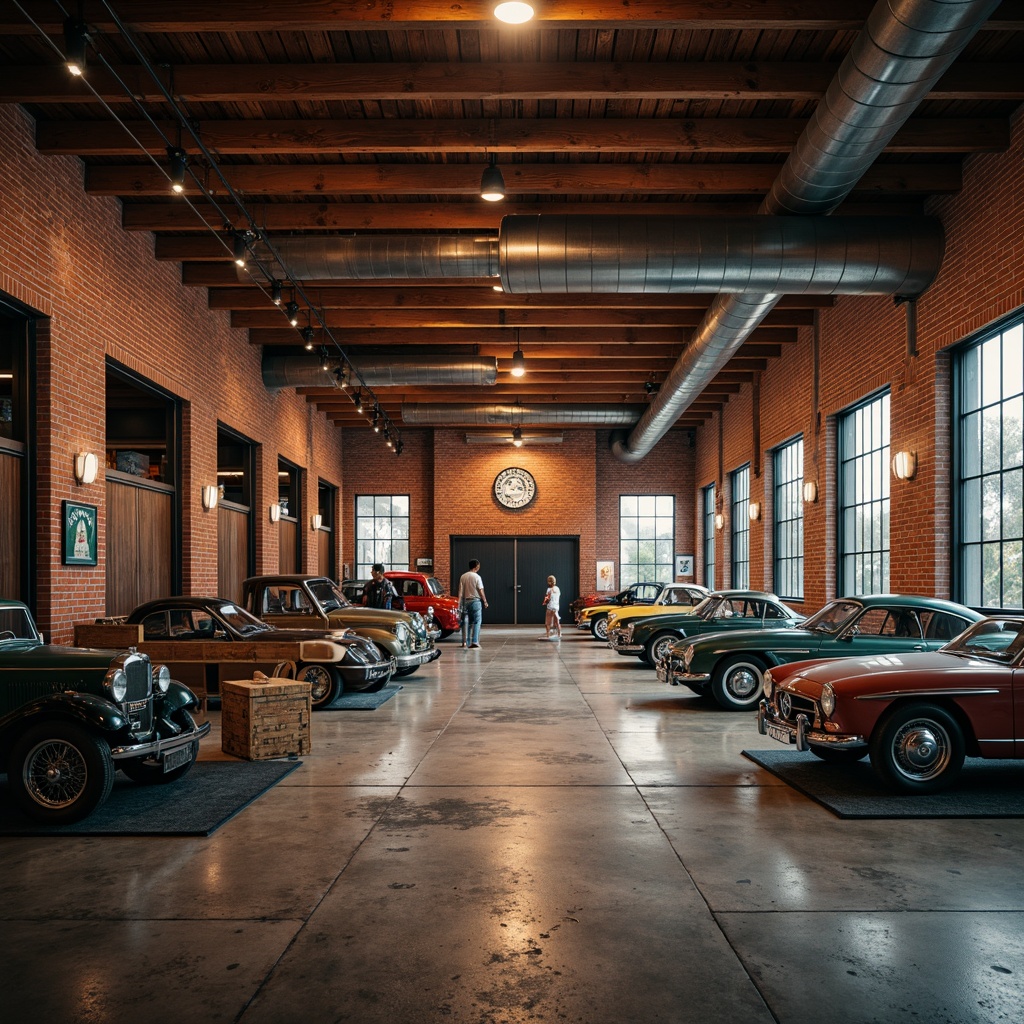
650 637
676 597
917 715
595 617
732 667
316 602
190 630
635 592
69 717
417 592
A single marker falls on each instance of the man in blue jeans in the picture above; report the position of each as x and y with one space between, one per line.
472 602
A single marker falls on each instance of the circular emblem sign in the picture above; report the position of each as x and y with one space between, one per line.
515 487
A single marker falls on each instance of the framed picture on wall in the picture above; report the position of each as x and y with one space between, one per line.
605 576
684 565
78 533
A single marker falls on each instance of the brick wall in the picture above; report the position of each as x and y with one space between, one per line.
63 254
862 346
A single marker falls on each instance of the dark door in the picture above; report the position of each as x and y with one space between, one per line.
515 572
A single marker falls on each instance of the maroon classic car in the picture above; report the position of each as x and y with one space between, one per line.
917 715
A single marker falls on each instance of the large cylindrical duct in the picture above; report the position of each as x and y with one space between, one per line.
381 371
807 255
386 257
896 59
513 415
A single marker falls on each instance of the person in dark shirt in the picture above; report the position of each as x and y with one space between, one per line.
380 591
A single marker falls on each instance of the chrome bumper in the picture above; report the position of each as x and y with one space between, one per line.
690 678
160 747
802 732
417 658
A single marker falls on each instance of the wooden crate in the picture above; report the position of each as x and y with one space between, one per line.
264 718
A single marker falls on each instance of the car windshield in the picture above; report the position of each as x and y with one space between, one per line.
435 586
999 640
16 624
832 617
706 609
328 595
240 620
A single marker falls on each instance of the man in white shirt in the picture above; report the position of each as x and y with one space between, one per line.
472 602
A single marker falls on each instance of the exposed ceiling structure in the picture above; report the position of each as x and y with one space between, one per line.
347 130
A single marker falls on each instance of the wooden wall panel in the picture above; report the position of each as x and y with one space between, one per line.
139 523
288 536
232 552
12 541
323 553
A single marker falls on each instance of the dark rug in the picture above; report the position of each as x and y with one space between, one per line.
212 793
362 701
985 789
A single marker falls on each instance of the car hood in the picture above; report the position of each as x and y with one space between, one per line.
651 611
54 656
887 671
295 636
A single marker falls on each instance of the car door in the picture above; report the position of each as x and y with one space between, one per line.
881 629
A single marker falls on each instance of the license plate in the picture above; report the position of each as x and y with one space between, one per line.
782 735
379 670
176 758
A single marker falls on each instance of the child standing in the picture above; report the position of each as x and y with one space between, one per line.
552 621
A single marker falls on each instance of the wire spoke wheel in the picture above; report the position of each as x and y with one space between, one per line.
55 773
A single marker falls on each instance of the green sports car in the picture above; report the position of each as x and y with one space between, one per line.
650 637
731 666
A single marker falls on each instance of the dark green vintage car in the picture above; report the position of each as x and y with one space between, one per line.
731 666
650 637
70 716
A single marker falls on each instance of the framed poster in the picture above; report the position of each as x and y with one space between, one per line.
605 575
78 533
684 565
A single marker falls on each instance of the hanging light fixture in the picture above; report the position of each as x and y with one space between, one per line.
179 162
357 400
325 364
292 312
399 447
513 12
518 359
76 38
492 184
376 419
239 248
517 437
275 292
307 337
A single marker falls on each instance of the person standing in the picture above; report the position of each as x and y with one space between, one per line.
380 591
472 601
552 620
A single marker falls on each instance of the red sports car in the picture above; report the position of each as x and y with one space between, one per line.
917 715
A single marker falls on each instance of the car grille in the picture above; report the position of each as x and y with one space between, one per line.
138 671
140 711
800 706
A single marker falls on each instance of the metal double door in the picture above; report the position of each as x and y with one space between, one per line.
515 572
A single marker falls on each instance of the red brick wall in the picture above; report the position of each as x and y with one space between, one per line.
862 348
64 254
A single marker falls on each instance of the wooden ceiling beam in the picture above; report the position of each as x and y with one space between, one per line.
429 81
523 179
330 394
411 296
511 135
454 318
603 342
174 215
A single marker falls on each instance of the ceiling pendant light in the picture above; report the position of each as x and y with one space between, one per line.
307 337
179 162
492 184
275 292
239 248
325 364
76 37
292 312
518 359
357 401
513 12
517 437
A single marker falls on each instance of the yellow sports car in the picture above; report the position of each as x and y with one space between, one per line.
674 597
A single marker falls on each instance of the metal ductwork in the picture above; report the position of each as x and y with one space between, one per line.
904 48
381 370
513 415
810 256
386 257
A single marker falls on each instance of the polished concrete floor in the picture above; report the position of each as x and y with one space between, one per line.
532 831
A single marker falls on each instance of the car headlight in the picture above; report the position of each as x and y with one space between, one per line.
117 685
629 633
768 685
688 656
401 631
828 700
162 678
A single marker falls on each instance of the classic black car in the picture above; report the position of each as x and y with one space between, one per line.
331 661
69 717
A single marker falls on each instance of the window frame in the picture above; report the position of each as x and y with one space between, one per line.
708 515
361 568
661 570
787 529
739 527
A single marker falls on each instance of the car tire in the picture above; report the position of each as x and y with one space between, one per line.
152 774
839 755
656 648
737 682
599 627
325 683
82 763
918 748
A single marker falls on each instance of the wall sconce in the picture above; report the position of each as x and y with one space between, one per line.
754 511
211 494
904 465
86 467
810 492
315 522
719 520
275 513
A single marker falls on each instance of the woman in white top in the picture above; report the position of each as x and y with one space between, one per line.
552 621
